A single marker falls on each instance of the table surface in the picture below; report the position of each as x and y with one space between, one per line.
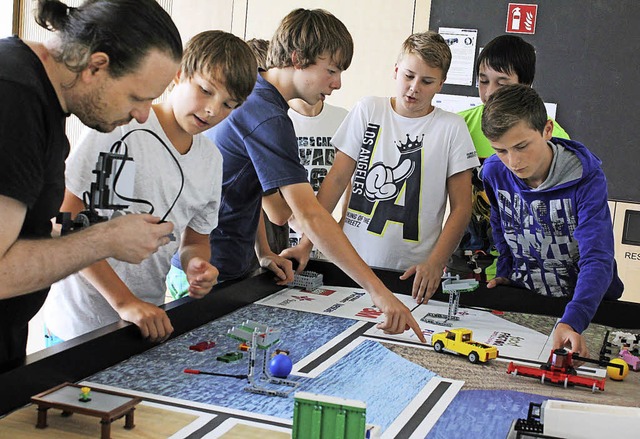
109 346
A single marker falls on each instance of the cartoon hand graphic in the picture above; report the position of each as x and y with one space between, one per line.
383 181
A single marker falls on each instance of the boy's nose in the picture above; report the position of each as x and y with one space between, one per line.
213 108
337 83
491 88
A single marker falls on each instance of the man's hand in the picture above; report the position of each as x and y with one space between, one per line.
281 267
498 281
202 276
153 322
135 237
426 281
300 253
565 336
398 317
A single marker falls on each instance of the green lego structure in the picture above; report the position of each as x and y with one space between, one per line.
327 417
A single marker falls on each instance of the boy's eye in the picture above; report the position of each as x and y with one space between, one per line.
408 76
483 81
205 91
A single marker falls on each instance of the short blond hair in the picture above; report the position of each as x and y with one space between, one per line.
225 57
431 48
310 34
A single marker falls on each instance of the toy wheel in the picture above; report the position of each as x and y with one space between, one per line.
438 346
474 357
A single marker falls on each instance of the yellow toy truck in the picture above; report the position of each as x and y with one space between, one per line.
459 341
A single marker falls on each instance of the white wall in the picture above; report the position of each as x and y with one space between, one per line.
6 17
378 28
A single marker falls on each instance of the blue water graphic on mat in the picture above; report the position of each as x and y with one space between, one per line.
371 373
483 414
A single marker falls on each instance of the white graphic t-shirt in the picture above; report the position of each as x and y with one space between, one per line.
399 188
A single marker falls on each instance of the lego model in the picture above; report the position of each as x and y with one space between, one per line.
107 405
618 369
622 339
280 365
568 419
85 394
308 280
260 336
453 287
202 346
558 370
629 358
322 416
230 357
460 342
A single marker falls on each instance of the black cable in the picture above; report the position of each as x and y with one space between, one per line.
122 142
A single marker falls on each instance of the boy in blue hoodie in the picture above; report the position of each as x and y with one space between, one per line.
549 212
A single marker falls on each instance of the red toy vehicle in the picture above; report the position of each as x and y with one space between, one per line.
202 346
558 370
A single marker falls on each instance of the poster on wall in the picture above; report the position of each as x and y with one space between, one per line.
462 43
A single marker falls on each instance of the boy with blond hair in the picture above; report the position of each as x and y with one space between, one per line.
179 172
307 55
404 157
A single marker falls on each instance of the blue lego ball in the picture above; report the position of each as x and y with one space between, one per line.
280 366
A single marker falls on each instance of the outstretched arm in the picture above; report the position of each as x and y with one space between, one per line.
28 265
324 231
332 188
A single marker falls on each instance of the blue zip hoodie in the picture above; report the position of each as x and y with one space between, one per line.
556 240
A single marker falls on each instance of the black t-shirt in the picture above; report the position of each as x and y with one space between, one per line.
33 148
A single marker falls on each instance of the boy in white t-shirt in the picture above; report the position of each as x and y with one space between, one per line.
217 74
403 157
314 127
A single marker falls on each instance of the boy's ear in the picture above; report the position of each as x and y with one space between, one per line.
294 60
548 130
176 79
395 71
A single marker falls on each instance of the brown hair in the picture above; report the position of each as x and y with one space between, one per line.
431 48
260 49
509 105
310 34
224 56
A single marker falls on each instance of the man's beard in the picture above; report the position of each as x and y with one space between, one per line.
89 109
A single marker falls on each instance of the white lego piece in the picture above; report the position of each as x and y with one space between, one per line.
588 421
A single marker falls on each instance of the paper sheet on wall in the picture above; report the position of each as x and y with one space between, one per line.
462 43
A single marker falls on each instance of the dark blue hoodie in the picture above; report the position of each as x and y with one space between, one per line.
556 239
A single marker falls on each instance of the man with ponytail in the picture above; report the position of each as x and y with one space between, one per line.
106 61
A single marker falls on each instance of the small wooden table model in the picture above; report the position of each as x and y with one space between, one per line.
106 405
